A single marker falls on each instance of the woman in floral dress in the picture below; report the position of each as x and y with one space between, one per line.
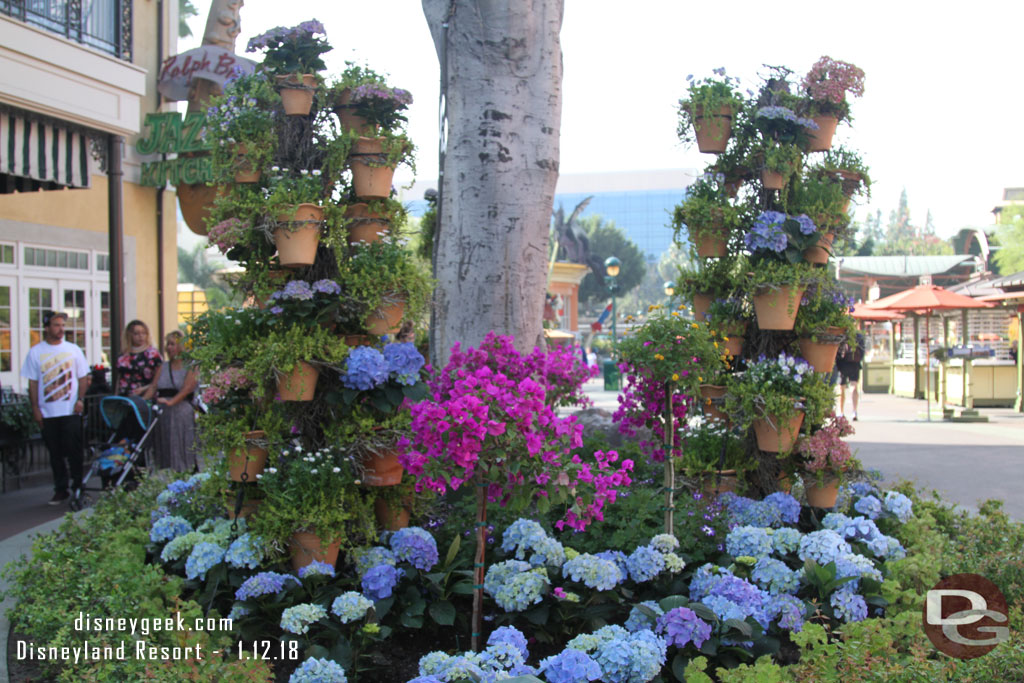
138 365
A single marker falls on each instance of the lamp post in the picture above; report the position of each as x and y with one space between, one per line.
670 289
611 374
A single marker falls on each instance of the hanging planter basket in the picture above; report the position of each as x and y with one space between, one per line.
349 120
363 225
821 495
722 481
387 319
305 547
772 180
296 93
248 461
382 468
370 179
701 304
711 396
821 140
821 354
296 244
776 308
713 131
774 436
712 242
299 384
819 253
244 172
195 202
735 336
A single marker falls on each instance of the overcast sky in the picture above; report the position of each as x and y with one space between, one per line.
941 115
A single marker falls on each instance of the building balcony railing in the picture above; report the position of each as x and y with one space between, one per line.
102 24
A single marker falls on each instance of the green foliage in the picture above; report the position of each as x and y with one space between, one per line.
1010 236
16 416
707 95
186 10
720 278
706 210
607 240
290 187
781 157
242 118
763 391
771 274
823 307
822 200
383 272
281 350
702 446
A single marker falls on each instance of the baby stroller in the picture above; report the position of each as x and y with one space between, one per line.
131 419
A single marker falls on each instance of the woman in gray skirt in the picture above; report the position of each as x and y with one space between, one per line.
175 432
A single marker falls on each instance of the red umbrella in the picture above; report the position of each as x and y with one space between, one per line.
863 312
925 300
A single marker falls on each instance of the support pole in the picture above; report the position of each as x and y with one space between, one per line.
478 562
670 471
917 357
1019 405
115 218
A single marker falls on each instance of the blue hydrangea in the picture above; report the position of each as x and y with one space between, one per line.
522 590
592 571
789 611
869 506
245 552
836 521
371 557
732 597
862 488
168 528
365 369
499 656
644 564
774 511
849 606
589 642
899 505
433 663
570 666
767 233
681 626
329 287
238 610
807 226
350 606
404 362
296 289
704 579
775 577
620 560
379 581
785 540
180 546
638 619
415 546
316 568
204 556
547 552
512 636
264 583
823 546
787 507
856 565
521 536
461 668
316 670
299 618
748 541
500 572
633 657
426 679
887 547
860 529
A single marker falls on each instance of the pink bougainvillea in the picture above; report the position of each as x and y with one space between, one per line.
489 415
830 79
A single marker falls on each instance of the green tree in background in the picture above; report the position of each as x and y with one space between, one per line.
195 268
902 237
186 10
1010 235
607 240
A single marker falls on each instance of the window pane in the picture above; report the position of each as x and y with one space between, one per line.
51 258
5 329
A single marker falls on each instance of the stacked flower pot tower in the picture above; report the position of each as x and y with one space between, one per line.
305 379
761 224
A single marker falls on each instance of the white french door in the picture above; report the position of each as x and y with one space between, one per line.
10 349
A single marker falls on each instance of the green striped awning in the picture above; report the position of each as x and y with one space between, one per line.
38 154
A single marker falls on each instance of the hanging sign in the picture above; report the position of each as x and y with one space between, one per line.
168 133
209 62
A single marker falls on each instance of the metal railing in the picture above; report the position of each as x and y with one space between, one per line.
103 24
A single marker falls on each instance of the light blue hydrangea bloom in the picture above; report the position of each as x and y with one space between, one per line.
501 655
704 579
264 583
365 369
350 606
899 505
168 528
634 657
371 557
246 552
775 577
849 606
853 564
645 563
785 540
379 581
404 362
512 636
521 536
316 568
415 546
860 529
836 521
570 666
639 620
664 543
500 572
316 670
181 546
547 552
204 557
433 663
869 506
887 547
748 541
299 618
522 590
592 571
619 558
823 546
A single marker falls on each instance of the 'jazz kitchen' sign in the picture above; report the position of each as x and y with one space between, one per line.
169 134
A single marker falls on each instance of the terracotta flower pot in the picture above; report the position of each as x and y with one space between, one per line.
368 180
195 202
305 547
348 118
772 439
732 187
701 303
821 496
296 93
296 245
734 337
382 469
388 518
362 227
819 253
712 242
776 309
249 461
299 384
772 180
244 172
358 340
386 320
821 354
821 140
713 131
714 483
711 410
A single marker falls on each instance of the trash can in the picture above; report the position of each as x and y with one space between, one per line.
611 376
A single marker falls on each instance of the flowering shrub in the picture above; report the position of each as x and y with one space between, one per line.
293 50
305 303
827 84
777 389
822 307
227 387
228 234
824 453
380 105
776 236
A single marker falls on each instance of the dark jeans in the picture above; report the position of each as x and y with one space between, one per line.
63 439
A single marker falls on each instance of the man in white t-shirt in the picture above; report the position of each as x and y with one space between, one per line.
58 376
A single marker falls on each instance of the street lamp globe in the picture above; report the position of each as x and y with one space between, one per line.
670 288
611 266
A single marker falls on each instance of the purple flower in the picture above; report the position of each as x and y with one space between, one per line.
326 287
264 583
404 362
366 368
807 226
379 581
681 626
415 546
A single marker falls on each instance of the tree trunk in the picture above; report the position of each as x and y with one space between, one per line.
501 68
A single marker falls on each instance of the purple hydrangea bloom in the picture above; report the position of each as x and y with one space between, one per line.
789 610
316 568
297 289
264 583
512 636
849 606
869 506
807 226
681 626
404 362
767 233
326 287
366 369
570 666
645 563
415 546
379 581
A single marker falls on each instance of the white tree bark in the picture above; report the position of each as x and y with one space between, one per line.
504 102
